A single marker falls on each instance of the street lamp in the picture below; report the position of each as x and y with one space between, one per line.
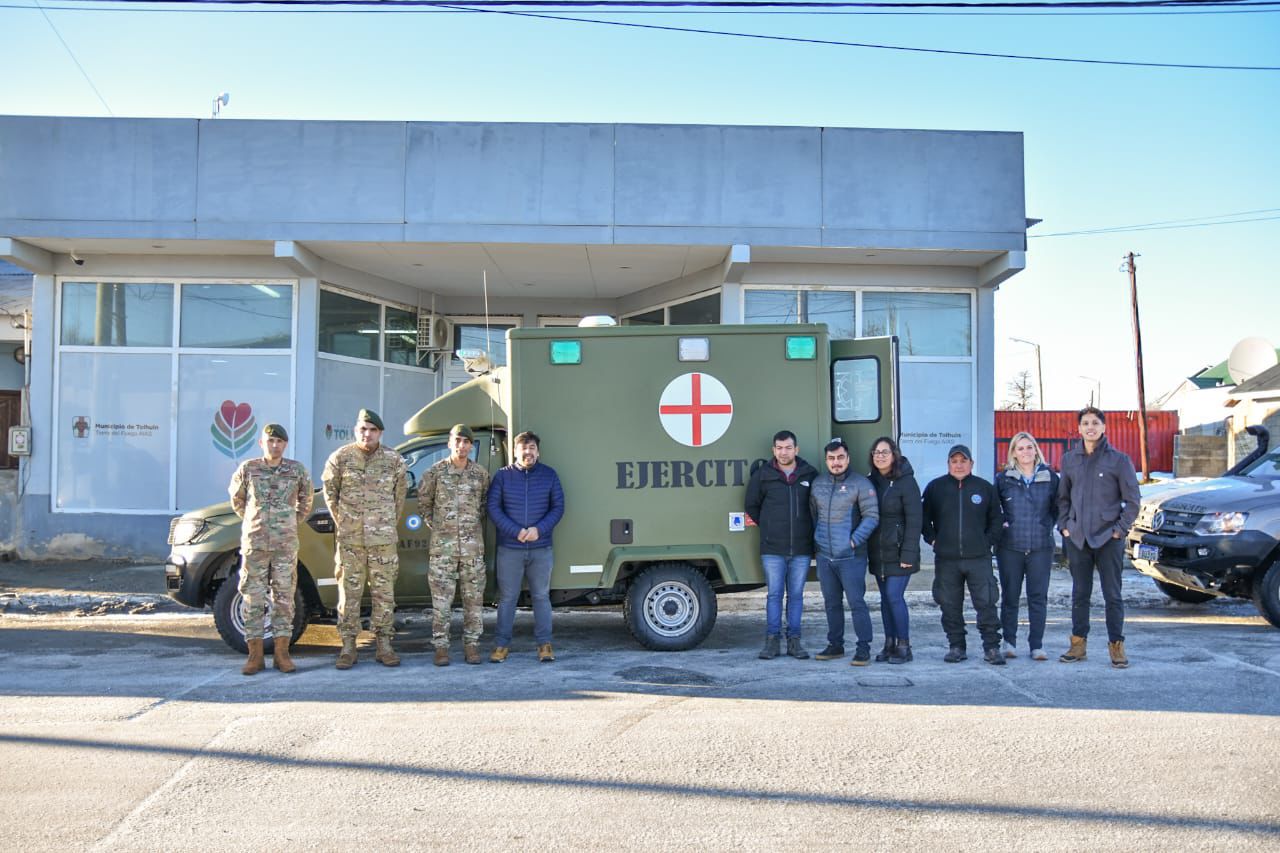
1098 384
1039 372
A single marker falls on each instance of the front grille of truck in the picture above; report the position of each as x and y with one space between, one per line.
1176 522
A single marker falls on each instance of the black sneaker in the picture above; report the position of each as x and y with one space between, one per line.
956 655
993 656
862 654
795 649
831 652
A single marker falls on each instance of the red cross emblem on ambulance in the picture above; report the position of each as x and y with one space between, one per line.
695 409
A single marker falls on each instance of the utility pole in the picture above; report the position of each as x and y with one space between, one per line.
1132 267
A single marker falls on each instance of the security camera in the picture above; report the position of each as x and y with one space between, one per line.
77 260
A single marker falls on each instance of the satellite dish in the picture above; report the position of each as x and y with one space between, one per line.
1249 358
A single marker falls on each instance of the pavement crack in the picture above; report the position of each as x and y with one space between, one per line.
122 827
160 703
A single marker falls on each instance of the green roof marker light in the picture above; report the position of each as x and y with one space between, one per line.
566 352
802 347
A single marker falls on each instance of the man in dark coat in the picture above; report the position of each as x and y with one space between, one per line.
778 503
1097 504
962 521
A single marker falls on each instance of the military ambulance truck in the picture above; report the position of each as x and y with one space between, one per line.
654 432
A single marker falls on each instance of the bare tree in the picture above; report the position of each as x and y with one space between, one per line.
1021 392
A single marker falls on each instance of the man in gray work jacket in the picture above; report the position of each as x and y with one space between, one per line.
1097 504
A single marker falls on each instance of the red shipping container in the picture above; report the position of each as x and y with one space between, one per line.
1056 432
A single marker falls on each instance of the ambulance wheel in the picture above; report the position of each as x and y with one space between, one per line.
1181 593
229 620
670 607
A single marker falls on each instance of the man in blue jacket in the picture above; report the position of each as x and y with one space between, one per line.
525 502
963 521
845 513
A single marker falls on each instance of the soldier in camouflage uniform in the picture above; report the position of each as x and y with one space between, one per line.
364 486
272 494
451 501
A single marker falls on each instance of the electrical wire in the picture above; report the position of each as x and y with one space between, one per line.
1169 224
72 54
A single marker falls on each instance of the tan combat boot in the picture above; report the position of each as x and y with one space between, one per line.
254 664
442 657
545 654
386 655
347 657
1118 659
1077 651
471 653
280 655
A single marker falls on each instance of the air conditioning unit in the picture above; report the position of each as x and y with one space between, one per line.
435 333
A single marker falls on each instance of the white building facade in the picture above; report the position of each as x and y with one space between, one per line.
194 280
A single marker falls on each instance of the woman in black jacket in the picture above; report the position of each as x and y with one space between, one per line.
1029 496
894 548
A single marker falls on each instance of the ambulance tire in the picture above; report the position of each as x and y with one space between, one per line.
670 607
230 623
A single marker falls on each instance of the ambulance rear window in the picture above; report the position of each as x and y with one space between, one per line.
855 390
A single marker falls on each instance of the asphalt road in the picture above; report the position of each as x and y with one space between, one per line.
137 732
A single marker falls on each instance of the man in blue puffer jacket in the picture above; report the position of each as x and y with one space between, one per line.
845 512
525 503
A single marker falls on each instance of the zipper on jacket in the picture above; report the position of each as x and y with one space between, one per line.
961 518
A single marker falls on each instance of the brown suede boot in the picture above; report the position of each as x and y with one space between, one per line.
1118 658
386 655
471 653
254 664
1077 651
280 655
347 657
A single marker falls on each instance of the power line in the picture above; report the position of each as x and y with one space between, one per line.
737 4
1170 224
71 54
146 7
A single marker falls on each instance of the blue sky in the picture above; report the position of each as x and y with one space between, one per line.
1105 145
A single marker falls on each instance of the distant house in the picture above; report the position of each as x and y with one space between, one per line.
1254 401
1202 400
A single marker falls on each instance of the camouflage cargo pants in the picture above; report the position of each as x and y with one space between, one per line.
268 578
380 565
445 575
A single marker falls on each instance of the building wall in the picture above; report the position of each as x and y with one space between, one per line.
538 183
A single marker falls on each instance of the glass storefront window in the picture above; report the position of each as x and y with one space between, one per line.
648 318
242 316
349 326
474 336
696 312
771 306
833 307
103 314
925 323
401 338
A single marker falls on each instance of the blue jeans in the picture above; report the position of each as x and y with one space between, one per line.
845 579
512 566
1034 566
788 572
893 607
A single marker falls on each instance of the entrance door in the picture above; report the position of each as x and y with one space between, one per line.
864 393
10 415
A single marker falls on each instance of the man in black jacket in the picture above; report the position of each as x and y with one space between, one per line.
1097 504
962 521
778 503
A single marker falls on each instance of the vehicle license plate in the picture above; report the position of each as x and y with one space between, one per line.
1146 552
